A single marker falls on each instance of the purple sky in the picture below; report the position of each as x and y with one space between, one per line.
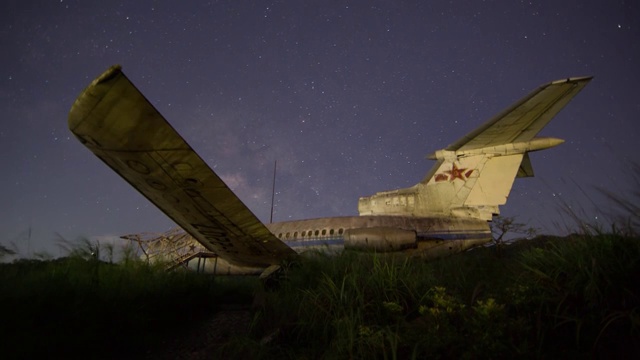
348 96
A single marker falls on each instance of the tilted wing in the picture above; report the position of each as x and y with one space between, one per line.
525 119
119 125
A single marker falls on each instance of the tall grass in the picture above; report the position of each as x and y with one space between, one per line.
79 306
587 289
379 306
545 297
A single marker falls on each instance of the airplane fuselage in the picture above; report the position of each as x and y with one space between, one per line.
425 237
383 233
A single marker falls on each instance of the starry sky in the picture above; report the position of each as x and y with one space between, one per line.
347 96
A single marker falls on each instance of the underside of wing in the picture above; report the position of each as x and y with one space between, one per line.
119 125
525 119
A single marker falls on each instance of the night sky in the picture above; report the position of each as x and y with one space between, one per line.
347 96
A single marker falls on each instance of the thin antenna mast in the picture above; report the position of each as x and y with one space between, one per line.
273 189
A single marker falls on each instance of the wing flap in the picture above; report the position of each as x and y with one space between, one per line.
119 125
523 120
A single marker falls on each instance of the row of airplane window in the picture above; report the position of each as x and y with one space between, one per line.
396 201
311 233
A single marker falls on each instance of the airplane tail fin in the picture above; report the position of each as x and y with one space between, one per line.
475 182
474 175
468 183
471 186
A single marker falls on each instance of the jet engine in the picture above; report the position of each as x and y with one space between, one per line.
380 239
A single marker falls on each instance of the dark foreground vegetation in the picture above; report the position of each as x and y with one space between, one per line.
545 298
571 297
80 307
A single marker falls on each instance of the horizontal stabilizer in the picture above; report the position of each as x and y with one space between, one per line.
522 121
474 175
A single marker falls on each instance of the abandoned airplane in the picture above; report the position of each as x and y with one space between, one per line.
447 212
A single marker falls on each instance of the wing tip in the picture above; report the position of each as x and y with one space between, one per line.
89 96
575 79
109 74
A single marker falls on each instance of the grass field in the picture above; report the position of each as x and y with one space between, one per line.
547 297
92 309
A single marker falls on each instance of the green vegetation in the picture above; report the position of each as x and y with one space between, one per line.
547 297
542 298
81 307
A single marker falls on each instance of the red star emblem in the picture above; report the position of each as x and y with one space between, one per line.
454 173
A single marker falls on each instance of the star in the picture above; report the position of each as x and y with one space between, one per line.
456 173
284 86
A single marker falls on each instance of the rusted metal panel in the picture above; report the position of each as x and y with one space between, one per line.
119 125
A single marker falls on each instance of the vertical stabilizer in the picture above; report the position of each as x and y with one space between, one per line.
474 175
472 186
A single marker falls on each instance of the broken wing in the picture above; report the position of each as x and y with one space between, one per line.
119 125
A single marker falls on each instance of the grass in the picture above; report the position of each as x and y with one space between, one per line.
548 297
75 306
587 287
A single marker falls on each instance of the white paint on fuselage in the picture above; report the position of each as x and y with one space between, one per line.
435 237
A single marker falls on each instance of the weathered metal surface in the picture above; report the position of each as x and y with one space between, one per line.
380 239
474 175
443 214
523 120
119 125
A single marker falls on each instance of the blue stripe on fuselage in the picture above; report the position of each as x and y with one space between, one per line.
454 236
331 241
339 240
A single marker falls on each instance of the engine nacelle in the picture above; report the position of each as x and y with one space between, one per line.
380 239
